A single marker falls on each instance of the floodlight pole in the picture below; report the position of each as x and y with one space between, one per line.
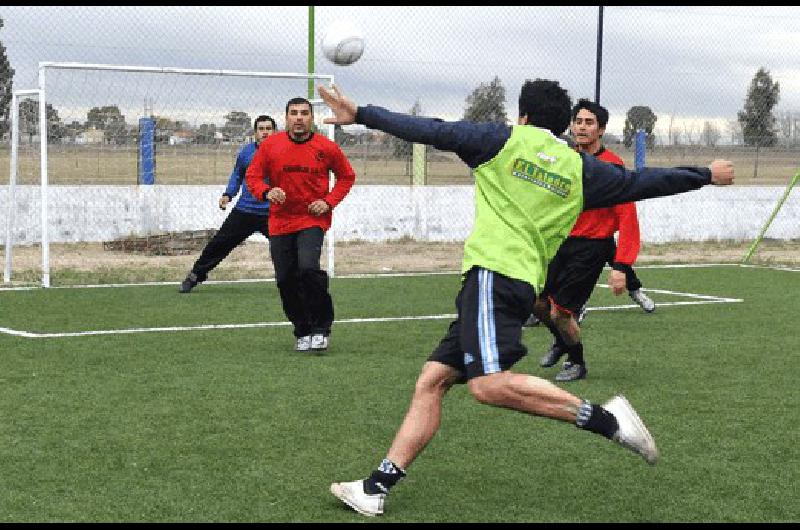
599 67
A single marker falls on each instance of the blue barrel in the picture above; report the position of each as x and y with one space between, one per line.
147 151
639 156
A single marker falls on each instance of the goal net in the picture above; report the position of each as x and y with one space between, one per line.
123 184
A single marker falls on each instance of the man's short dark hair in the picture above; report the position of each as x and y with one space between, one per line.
299 101
545 104
264 117
599 111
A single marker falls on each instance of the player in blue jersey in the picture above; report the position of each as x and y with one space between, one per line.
247 217
530 188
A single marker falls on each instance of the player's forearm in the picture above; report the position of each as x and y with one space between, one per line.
340 190
606 184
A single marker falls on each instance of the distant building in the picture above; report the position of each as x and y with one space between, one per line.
181 137
92 136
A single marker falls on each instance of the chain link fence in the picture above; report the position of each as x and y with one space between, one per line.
720 82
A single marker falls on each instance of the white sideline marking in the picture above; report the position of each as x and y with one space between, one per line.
700 300
31 335
391 275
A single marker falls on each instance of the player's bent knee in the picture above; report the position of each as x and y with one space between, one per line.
435 377
485 389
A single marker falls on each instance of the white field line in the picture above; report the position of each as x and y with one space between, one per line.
699 300
390 275
31 335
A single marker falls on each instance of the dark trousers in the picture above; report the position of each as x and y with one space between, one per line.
303 285
237 227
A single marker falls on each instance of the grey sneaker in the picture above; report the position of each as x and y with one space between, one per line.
189 283
581 314
632 433
644 301
571 372
552 356
353 495
319 342
303 343
531 322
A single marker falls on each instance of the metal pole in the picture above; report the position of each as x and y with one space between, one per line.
310 52
12 185
43 170
599 68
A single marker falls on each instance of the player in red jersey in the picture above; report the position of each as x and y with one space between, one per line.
579 262
290 169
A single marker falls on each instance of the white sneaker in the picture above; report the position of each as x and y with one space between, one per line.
644 301
353 495
319 342
303 343
632 433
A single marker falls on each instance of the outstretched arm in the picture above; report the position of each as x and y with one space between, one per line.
474 143
606 184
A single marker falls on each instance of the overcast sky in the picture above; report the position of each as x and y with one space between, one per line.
688 63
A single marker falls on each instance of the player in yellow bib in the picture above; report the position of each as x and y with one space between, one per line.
530 187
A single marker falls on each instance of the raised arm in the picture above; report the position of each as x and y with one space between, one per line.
474 143
607 184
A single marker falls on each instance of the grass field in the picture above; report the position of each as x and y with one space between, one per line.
124 404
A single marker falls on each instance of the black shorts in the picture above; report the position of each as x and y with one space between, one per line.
486 336
574 271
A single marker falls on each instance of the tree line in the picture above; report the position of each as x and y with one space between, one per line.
756 124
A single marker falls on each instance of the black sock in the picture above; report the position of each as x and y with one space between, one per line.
556 334
383 478
575 354
595 418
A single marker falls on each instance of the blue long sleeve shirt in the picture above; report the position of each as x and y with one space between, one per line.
246 203
604 184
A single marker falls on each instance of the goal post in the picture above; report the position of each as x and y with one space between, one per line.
96 170
12 181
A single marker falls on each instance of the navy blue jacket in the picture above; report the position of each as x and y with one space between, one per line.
604 184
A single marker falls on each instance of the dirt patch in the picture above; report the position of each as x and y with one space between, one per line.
90 263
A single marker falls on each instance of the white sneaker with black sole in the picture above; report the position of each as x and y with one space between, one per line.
319 342
303 343
353 495
632 433
644 301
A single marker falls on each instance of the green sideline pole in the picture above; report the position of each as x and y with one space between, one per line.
310 51
771 217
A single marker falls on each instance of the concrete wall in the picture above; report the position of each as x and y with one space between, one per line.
374 213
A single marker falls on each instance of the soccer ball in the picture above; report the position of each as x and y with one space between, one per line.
342 43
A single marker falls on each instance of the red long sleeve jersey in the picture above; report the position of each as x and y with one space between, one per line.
300 169
601 223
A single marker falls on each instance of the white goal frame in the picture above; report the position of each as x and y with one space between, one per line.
12 180
42 93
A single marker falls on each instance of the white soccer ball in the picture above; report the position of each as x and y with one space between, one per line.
342 43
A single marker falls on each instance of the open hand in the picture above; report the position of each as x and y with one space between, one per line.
344 109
